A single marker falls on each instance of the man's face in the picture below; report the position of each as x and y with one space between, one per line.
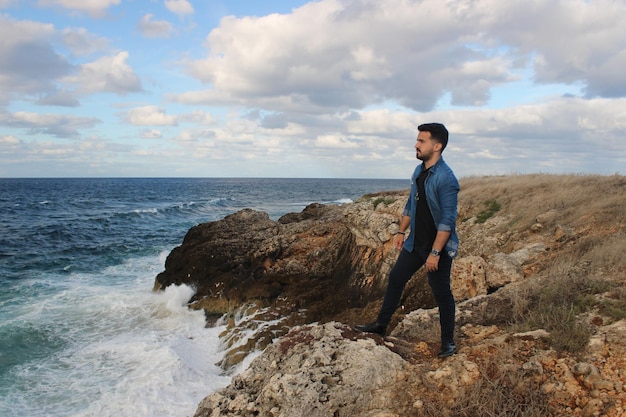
424 147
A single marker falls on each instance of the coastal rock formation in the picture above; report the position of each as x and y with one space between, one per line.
312 371
539 283
313 266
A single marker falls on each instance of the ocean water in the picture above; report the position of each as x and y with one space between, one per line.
81 332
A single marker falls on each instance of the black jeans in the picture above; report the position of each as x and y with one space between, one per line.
406 265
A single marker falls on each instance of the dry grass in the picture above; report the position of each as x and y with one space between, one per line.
578 200
583 274
501 390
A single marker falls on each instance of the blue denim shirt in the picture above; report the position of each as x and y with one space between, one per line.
442 189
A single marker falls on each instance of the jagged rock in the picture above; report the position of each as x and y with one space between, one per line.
313 266
247 258
507 268
313 371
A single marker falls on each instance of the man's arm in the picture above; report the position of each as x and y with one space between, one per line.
405 222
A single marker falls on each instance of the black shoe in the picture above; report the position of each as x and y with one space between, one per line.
373 327
447 349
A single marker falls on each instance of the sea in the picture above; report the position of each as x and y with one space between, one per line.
82 333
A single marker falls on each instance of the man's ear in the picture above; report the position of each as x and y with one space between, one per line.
438 146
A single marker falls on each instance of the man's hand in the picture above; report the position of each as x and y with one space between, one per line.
432 263
399 241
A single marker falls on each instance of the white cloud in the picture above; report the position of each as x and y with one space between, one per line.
196 135
573 41
199 117
8 140
334 141
95 8
411 53
368 65
150 116
63 126
110 74
154 28
179 7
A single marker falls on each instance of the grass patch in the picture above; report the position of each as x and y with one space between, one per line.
491 208
384 200
501 390
567 333
386 197
555 305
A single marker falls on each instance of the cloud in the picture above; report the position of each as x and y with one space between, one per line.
151 134
154 28
59 98
362 53
566 42
62 126
198 117
95 8
411 53
110 74
28 62
31 67
179 7
150 116
193 136
8 141
334 141
81 42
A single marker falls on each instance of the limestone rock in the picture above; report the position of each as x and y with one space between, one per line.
469 277
313 371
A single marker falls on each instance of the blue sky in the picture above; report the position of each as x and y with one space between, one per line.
329 88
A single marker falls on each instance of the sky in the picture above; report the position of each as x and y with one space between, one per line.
317 89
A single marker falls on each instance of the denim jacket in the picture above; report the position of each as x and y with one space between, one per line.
442 189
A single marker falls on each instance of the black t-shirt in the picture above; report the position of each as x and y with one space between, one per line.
425 228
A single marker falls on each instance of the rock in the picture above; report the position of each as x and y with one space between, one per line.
594 406
313 266
507 268
319 370
533 335
563 233
469 277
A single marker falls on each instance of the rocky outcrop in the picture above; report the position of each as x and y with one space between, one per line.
293 288
246 258
313 371
325 263
329 370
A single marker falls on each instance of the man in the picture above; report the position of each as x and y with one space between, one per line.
430 215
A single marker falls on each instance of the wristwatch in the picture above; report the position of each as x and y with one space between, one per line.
435 252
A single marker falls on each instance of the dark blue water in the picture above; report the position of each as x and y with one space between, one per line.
81 333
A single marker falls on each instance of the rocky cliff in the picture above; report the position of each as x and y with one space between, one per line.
541 304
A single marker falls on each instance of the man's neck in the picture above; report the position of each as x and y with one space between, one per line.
432 160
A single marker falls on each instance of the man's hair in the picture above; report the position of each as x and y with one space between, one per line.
437 131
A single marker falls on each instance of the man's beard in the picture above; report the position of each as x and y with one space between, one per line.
423 157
